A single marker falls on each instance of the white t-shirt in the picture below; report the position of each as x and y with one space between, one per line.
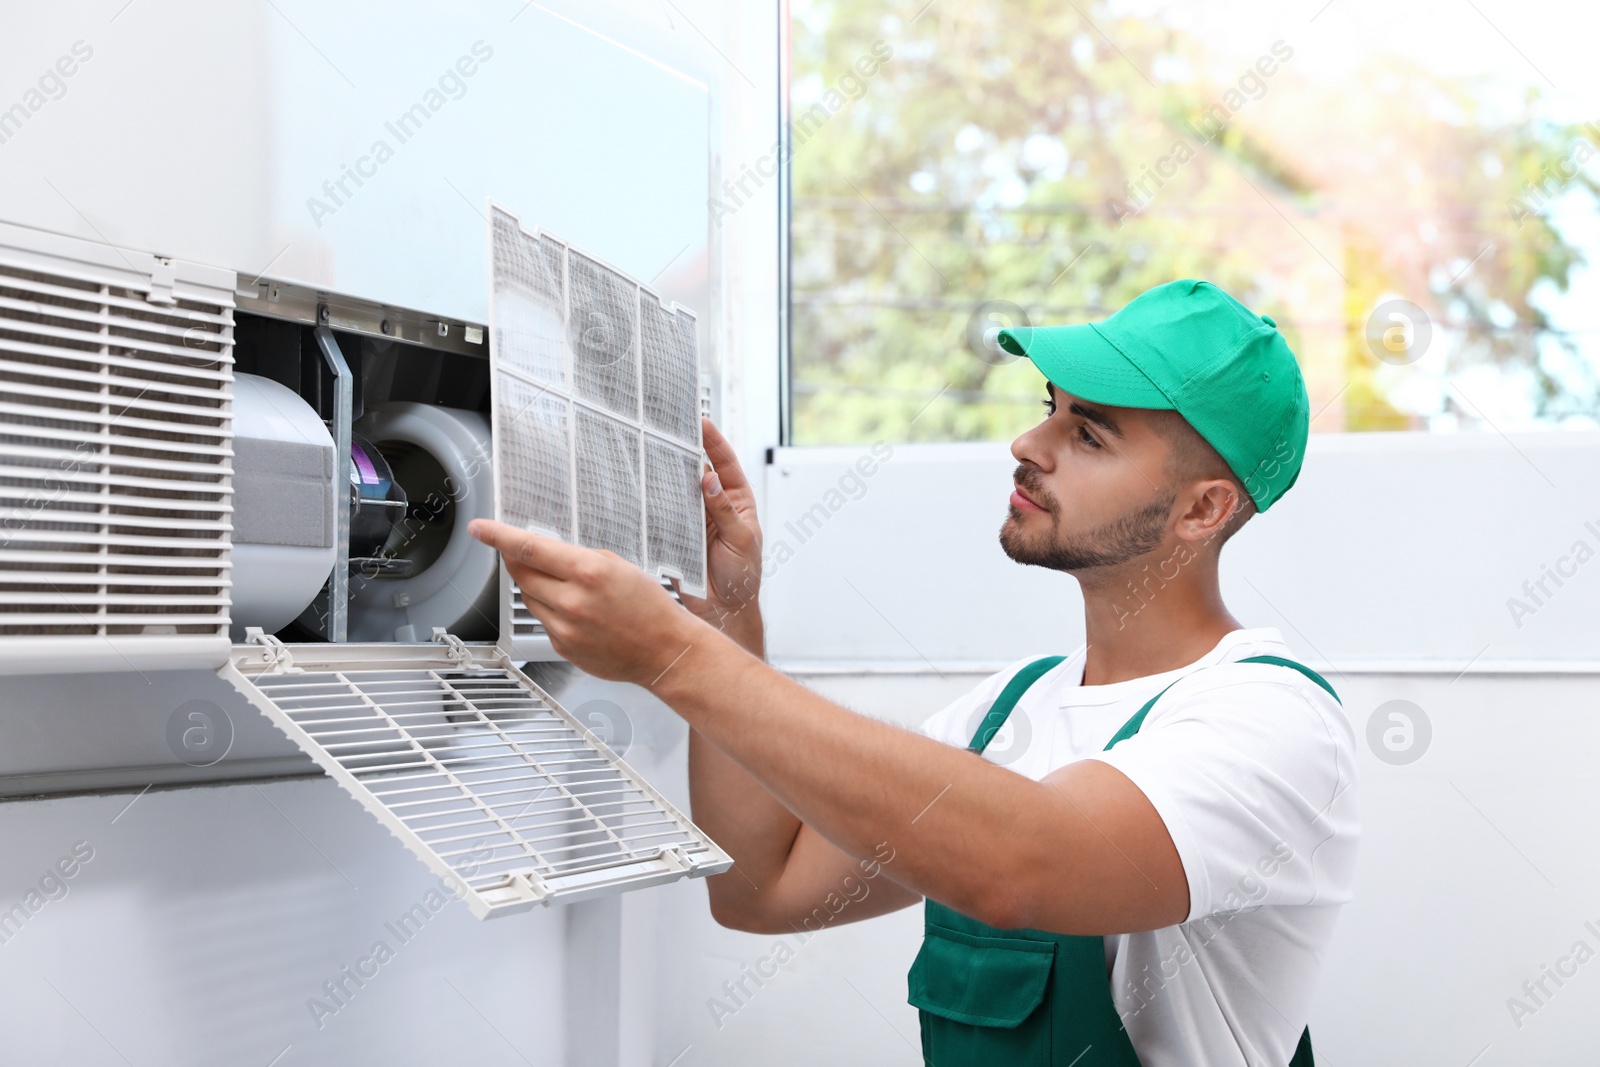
1252 768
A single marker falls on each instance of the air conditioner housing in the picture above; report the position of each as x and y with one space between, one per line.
186 457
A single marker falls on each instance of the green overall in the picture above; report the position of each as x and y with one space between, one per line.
1027 998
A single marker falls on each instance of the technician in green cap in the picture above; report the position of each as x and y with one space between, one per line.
1133 854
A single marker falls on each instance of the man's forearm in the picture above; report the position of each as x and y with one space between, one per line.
744 625
787 753
735 809
749 823
1082 852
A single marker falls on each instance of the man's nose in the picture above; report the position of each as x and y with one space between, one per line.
1025 448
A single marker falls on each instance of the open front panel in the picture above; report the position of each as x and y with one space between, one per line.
115 457
481 773
596 413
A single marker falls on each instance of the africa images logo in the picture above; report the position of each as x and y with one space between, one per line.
199 733
1399 732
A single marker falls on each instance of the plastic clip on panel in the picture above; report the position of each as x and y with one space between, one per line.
163 277
276 653
457 650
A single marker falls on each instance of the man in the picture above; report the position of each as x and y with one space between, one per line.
1155 879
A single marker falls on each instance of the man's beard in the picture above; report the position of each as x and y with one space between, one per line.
1113 543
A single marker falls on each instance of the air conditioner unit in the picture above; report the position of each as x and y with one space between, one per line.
274 482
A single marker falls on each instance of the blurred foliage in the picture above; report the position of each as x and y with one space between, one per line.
1009 151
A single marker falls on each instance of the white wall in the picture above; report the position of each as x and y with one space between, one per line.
208 132
208 918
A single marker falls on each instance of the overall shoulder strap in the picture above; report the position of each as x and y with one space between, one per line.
1131 727
1000 710
1301 667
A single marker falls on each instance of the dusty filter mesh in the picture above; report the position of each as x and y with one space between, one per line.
597 405
671 372
672 494
609 499
534 479
529 295
601 328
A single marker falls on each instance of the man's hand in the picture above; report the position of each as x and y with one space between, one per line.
603 614
733 547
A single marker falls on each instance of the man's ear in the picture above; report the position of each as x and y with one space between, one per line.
1214 504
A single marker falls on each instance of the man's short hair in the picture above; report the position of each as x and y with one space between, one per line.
1190 458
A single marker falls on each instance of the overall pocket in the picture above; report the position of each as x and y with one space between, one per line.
981 1000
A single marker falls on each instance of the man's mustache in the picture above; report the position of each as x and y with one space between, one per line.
1031 481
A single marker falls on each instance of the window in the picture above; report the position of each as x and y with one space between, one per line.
1410 199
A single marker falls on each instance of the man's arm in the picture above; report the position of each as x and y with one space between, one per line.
783 872
783 880
1080 852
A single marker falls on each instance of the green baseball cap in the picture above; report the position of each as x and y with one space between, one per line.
1189 347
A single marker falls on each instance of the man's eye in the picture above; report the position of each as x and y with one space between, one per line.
1049 405
1087 437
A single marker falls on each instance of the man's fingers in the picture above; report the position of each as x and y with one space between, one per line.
730 527
546 554
538 589
724 460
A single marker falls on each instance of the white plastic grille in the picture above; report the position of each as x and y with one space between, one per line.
620 372
524 627
115 458
672 501
671 371
609 498
481 773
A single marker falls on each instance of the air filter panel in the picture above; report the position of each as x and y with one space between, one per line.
597 408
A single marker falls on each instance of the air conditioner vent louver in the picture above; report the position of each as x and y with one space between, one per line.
477 770
115 449
523 625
